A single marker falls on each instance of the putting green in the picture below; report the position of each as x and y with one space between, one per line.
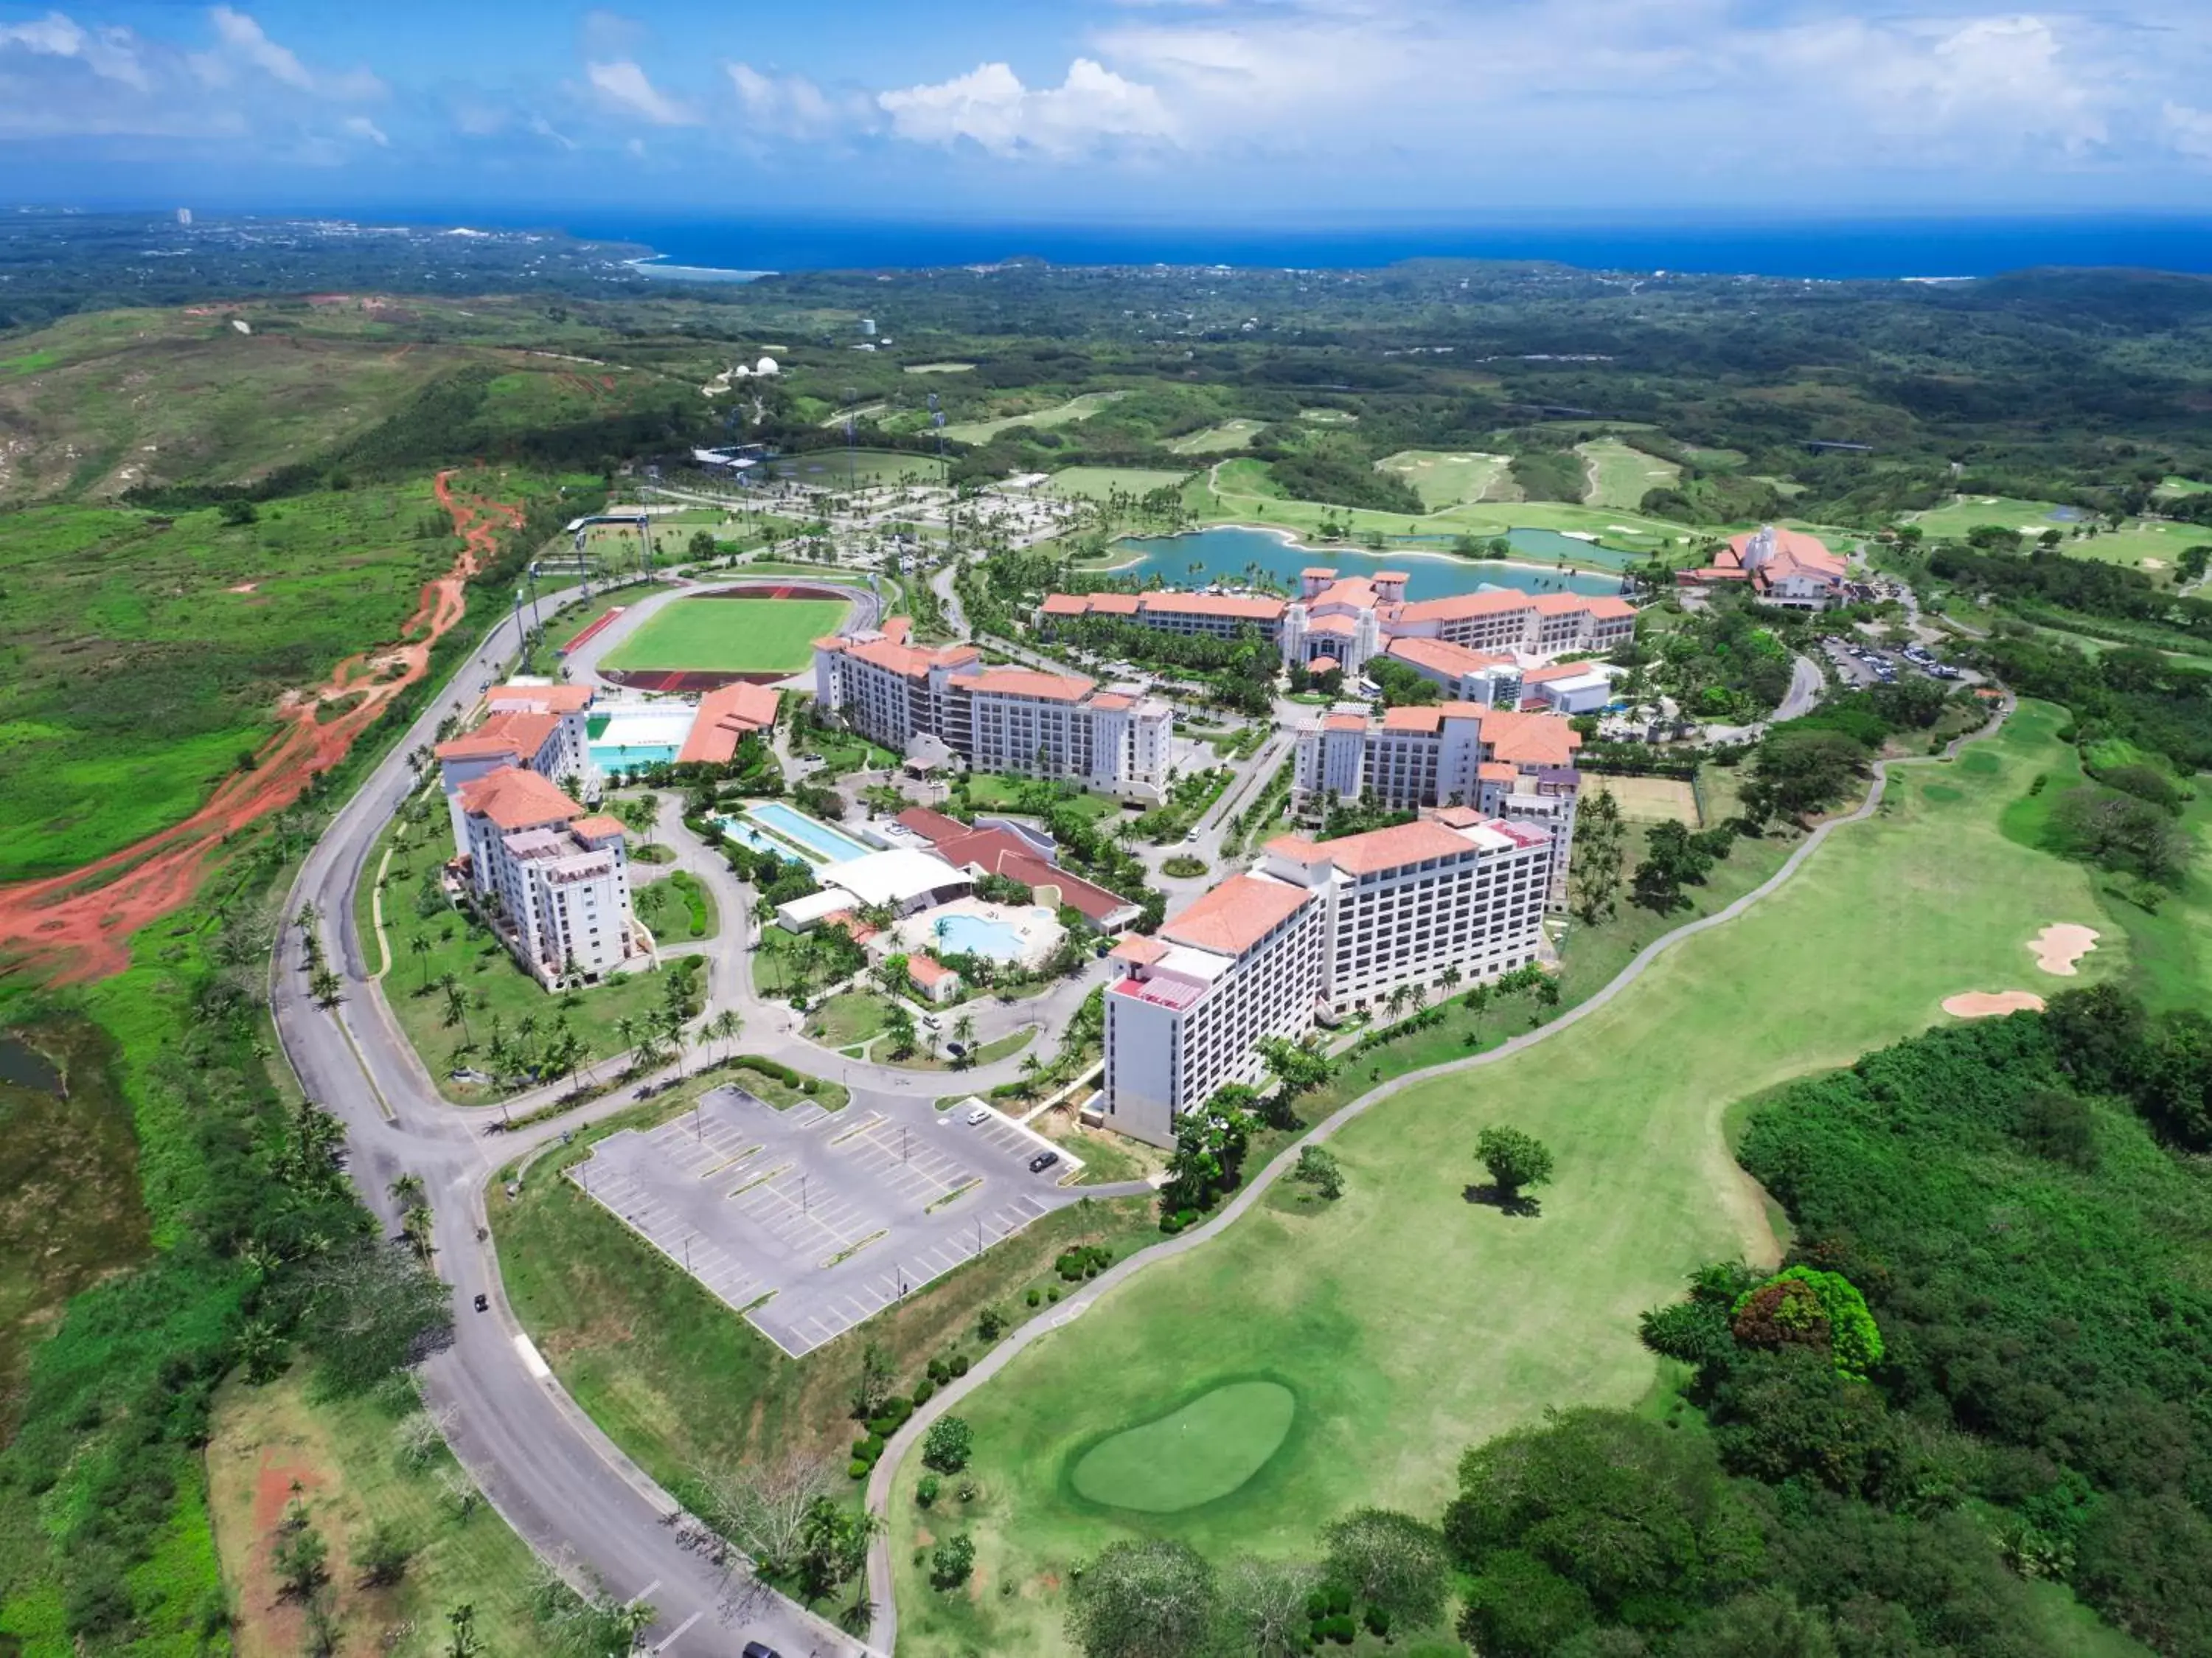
1205 1450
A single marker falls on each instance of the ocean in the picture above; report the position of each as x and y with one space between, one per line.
1834 248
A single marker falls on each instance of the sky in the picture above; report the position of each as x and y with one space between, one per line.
1137 110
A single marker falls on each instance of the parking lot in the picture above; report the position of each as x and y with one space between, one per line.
808 1221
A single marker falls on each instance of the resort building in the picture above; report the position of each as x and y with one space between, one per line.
1491 679
1498 762
997 719
1317 929
1346 620
1780 566
539 727
725 718
553 880
982 851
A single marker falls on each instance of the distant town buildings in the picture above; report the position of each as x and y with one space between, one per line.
997 719
1318 928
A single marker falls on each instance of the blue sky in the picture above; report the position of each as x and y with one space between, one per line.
1133 110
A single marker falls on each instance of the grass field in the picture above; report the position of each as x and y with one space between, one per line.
1651 799
1411 1323
341 1452
1059 414
867 469
676 908
2146 545
731 636
1619 476
940 368
1443 479
1215 439
144 653
1096 483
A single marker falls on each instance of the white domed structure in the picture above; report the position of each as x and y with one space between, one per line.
766 366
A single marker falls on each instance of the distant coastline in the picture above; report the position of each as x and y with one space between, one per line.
655 264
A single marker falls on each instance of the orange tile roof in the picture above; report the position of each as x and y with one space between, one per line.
1530 739
1498 771
1392 848
1344 722
1027 682
1357 591
1335 626
903 660
1461 711
522 735
1561 604
598 827
552 698
1551 671
1464 817
1065 603
1807 549
896 629
1328 572
1413 719
1389 575
1607 608
1135 947
725 718
1114 604
513 797
1215 604
931 826
1459 605
1442 657
926 971
1323 664
1113 702
1236 915
1297 848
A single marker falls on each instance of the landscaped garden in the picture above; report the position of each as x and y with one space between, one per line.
1410 1322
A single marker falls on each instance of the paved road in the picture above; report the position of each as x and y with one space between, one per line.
1806 684
560 1481
881 1583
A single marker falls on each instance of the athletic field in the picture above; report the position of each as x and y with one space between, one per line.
747 633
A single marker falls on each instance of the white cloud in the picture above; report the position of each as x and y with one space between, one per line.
624 87
243 46
108 53
2188 131
790 105
360 126
990 107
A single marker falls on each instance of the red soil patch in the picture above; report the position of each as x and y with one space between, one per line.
78 925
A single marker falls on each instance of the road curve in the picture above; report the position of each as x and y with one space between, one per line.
881 1582
560 1482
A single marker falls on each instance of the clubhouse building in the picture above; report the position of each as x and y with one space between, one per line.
1779 566
1342 622
997 719
1317 930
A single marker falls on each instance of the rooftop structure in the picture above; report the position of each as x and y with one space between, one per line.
1781 566
725 718
553 880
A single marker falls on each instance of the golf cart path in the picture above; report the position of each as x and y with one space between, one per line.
884 1629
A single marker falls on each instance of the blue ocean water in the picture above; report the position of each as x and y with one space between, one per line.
1870 247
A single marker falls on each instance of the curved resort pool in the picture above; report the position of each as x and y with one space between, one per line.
1225 554
966 935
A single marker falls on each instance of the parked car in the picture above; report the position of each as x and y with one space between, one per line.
981 1114
1043 1160
760 1649
484 1302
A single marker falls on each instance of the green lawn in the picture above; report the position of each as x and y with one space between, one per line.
2153 546
1097 483
989 791
1224 435
867 469
1619 476
844 1019
342 1451
731 636
562 625
1450 478
1411 1323
677 909
144 654
1059 414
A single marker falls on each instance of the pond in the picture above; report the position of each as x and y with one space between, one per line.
25 1067
1228 553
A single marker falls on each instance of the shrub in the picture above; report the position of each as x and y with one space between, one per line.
952 1562
1171 1224
948 1444
960 1365
924 1390
858 1469
926 1492
1378 1621
1033 1297
1852 1337
1051 1296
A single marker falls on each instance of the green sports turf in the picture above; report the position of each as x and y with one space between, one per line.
1417 1323
731 636
1205 1450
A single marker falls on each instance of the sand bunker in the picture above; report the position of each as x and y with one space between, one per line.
2060 945
1990 1004
2151 563
243 587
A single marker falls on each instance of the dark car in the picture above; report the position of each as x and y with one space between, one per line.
1042 1160
483 1303
761 1650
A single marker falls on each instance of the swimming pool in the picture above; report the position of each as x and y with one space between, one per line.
970 935
820 838
751 838
621 757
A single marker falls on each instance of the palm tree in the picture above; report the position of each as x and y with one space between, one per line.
1030 1066
418 945
626 1032
963 1030
406 1191
1400 995
724 1027
1449 979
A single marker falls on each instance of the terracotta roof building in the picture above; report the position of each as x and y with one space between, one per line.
725 718
552 880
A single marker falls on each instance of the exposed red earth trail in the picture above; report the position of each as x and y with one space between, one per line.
78 925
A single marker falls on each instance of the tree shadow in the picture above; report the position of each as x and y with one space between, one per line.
1519 1203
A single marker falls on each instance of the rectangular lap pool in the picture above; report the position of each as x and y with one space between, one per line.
820 838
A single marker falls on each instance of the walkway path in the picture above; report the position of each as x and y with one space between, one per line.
881 1582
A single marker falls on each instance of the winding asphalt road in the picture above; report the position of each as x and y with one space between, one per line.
881 1582
548 1470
